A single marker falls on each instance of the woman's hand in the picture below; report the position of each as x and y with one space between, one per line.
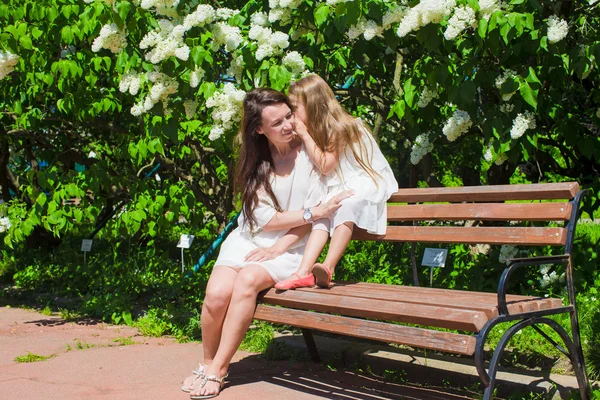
264 254
327 209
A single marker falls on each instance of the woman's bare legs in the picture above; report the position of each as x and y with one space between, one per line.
214 308
248 283
339 241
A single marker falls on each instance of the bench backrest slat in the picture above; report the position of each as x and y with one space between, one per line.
481 211
538 191
470 235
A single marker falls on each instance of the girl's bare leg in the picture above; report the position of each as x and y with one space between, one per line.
248 283
339 241
316 241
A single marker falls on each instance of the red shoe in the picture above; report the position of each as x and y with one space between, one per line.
297 283
322 275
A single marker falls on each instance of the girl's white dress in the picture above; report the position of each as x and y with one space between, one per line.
292 193
367 208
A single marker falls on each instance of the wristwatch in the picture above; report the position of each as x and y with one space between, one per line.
307 215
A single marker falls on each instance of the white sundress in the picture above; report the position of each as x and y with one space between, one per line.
367 208
292 193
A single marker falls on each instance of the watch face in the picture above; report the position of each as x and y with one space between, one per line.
307 215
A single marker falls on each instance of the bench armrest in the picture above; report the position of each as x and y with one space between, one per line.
515 263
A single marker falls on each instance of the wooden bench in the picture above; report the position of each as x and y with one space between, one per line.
366 310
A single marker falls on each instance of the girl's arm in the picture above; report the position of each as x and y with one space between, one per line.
284 243
324 161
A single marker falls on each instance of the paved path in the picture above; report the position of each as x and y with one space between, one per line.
88 363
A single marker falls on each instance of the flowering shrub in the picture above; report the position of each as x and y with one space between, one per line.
485 85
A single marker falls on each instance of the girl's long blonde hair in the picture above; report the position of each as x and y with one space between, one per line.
330 126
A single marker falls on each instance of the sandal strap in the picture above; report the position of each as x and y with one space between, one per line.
214 378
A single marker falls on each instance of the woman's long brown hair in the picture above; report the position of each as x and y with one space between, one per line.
330 126
255 163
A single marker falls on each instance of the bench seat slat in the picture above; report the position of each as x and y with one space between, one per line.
538 191
381 331
531 236
323 301
476 301
481 211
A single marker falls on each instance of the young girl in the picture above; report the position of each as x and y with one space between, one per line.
348 157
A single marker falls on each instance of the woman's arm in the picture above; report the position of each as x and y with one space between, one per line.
291 219
324 161
284 243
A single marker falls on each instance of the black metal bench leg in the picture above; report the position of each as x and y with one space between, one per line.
311 345
577 360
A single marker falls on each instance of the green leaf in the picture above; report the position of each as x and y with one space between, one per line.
528 94
398 109
467 91
279 77
321 14
41 199
26 42
482 29
123 9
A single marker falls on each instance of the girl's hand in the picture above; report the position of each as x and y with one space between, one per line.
300 128
327 209
264 254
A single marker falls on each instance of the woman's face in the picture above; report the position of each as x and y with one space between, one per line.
300 109
277 123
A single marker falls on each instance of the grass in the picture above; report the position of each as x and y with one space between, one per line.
124 341
69 315
32 357
46 311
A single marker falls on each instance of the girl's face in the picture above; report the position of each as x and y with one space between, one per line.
277 123
300 109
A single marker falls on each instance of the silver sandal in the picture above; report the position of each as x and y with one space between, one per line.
197 374
205 380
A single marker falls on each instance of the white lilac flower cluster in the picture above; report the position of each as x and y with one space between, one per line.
366 27
226 35
269 43
508 74
131 82
165 41
196 76
281 10
507 108
167 8
393 16
507 252
226 13
424 13
501 159
111 38
480 249
488 155
463 17
4 224
458 124
190 107
227 104
521 123
236 67
259 18
488 7
557 29
426 96
548 279
421 147
203 14
162 86
294 62
8 61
